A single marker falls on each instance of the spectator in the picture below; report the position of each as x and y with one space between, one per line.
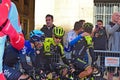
47 29
113 33
70 36
99 40
99 36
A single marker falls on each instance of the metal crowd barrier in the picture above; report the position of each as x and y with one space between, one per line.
109 60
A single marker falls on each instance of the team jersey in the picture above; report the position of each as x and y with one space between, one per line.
27 49
70 36
54 51
81 46
27 56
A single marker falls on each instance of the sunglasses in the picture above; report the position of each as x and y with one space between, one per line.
58 37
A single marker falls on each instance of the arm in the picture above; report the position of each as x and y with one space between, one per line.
67 47
111 30
74 41
65 60
12 28
91 52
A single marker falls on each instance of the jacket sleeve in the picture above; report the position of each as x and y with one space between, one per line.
74 41
65 60
111 30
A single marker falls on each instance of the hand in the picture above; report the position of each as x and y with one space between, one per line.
37 52
96 35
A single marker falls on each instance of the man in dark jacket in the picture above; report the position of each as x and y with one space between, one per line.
47 28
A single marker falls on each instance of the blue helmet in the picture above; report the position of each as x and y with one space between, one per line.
37 36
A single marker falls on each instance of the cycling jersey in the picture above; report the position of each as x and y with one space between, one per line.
70 36
11 56
10 59
79 50
81 46
40 59
53 53
11 73
53 50
27 56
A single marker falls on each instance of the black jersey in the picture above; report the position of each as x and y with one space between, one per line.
81 47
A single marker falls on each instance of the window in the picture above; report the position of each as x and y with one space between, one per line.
103 11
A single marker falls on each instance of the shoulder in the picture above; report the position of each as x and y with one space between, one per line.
60 45
27 44
50 40
88 39
13 10
71 32
44 27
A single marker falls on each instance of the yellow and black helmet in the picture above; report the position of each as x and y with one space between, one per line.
58 31
87 27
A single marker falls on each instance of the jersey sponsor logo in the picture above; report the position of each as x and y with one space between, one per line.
24 50
7 73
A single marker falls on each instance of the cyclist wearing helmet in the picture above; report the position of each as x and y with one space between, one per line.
79 50
53 50
27 54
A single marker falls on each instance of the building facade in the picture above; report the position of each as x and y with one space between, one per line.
103 9
66 12
26 13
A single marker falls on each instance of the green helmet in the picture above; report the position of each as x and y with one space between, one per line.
58 31
87 27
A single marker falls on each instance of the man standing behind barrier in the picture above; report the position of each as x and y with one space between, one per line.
113 34
47 29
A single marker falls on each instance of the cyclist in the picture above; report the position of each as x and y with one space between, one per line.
10 59
9 25
27 54
79 49
53 50
77 31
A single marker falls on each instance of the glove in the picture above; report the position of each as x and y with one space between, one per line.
2 76
16 39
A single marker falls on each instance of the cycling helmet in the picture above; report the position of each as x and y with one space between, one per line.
58 31
4 10
37 36
87 27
